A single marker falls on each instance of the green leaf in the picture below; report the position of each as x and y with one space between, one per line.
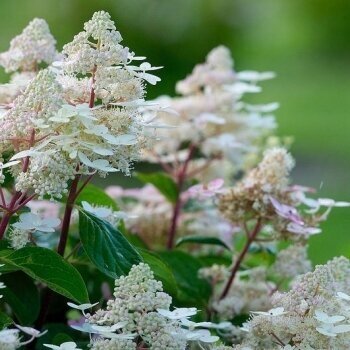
209 260
23 297
48 267
134 239
201 240
192 289
61 338
161 271
5 321
106 247
163 182
96 196
54 331
260 256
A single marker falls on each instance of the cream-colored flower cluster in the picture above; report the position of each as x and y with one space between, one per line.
31 112
33 47
136 300
149 212
139 316
253 287
251 292
314 314
251 196
292 262
211 115
265 194
57 125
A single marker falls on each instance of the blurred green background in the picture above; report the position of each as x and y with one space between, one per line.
305 42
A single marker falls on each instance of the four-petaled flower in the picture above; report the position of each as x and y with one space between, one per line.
33 222
179 313
278 311
202 191
329 326
64 346
286 211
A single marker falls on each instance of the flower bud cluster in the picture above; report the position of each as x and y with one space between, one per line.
18 238
211 114
292 262
251 195
30 111
264 193
142 309
314 314
48 174
251 292
32 47
9 339
113 344
71 137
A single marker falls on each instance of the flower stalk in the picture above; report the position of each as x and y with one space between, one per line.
181 178
19 199
250 239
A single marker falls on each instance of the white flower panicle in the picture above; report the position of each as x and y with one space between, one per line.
315 312
48 174
18 238
31 112
251 291
33 46
139 315
272 174
71 137
20 233
137 298
16 85
9 339
292 262
97 51
211 115
253 192
217 70
264 193
109 137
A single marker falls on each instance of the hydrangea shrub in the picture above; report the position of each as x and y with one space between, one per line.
209 253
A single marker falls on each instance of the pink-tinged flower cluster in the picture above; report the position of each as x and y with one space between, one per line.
204 191
211 115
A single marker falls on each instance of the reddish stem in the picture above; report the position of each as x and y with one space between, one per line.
23 202
4 222
181 177
250 239
92 91
13 207
85 183
3 201
10 210
67 216
72 196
